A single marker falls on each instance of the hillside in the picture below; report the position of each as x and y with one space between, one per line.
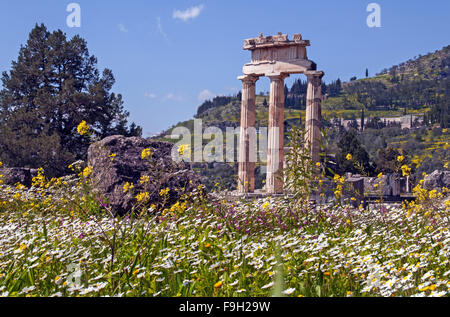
417 86
417 89
421 84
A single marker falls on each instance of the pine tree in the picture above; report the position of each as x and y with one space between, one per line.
52 87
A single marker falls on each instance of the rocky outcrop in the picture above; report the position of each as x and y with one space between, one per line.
389 185
116 160
437 180
12 176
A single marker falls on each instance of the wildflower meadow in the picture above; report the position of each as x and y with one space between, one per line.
58 238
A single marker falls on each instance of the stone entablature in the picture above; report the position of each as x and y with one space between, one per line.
275 55
277 48
278 40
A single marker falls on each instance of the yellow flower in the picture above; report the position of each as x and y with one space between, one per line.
128 186
22 247
349 157
178 207
318 164
266 205
405 170
218 284
164 192
145 179
146 153
207 245
87 171
400 158
183 148
380 175
1 164
143 197
433 194
83 128
431 288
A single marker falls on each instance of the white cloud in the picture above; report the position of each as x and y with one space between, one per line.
173 97
190 13
150 95
160 29
122 28
205 95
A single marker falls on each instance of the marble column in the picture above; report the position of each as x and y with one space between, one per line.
313 124
247 153
275 148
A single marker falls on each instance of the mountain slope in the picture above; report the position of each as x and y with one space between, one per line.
416 86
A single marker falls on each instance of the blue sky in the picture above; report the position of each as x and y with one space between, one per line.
167 56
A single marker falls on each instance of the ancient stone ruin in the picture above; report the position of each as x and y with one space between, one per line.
276 57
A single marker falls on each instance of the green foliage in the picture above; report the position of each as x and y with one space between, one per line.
299 166
218 175
349 144
218 101
52 87
387 160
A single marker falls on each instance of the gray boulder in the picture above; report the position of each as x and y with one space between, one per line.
117 160
437 180
12 176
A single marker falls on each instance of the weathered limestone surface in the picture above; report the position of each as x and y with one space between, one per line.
437 180
277 54
12 176
356 190
247 140
276 57
110 175
275 148
314 113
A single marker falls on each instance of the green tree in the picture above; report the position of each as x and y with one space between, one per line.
52 87
349 144
387 160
